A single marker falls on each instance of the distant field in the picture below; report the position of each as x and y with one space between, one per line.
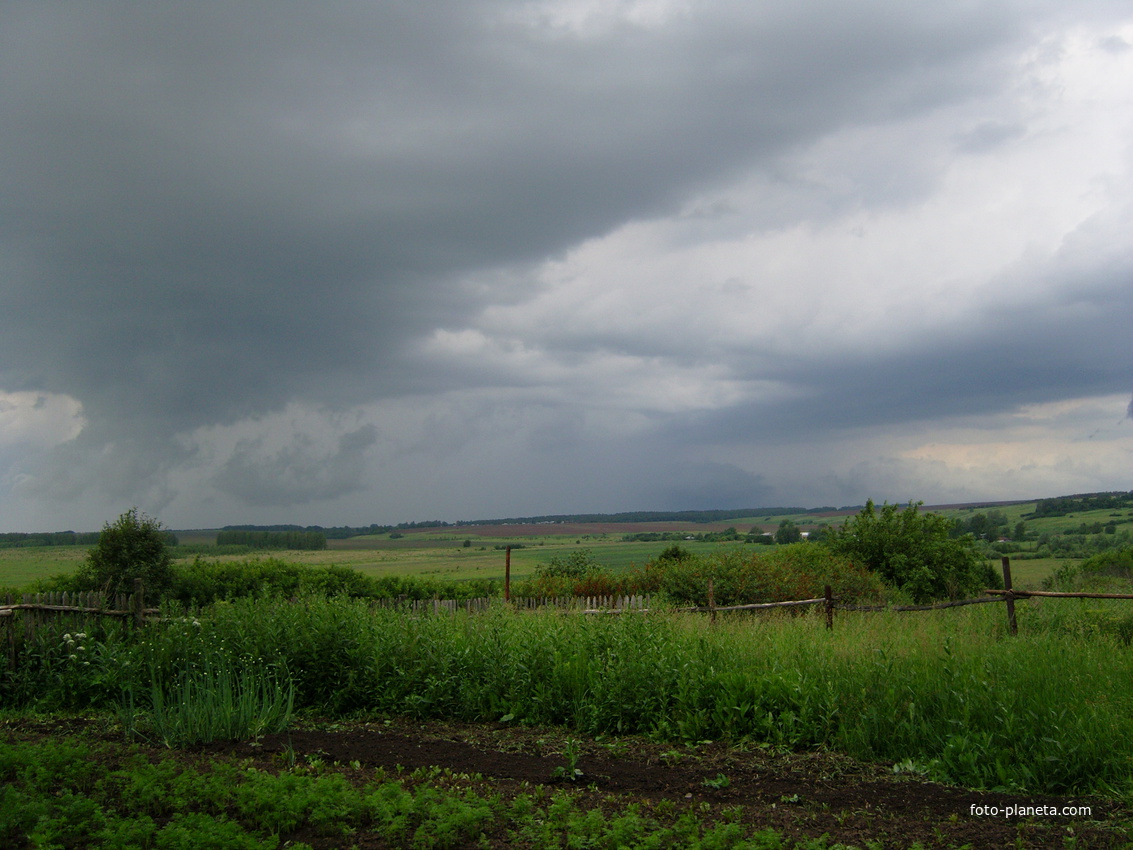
438 557
19 567
451 559
440 553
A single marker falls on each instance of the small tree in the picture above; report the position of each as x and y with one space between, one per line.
914 551
134 547
788 533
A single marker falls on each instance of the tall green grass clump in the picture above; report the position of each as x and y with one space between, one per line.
221 701
948 693
779 574
739 576
204 582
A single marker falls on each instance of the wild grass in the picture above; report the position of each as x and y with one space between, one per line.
946 693
221 701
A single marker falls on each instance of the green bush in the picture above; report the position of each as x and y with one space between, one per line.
914 552
1105 572
134 547
203 582
794 571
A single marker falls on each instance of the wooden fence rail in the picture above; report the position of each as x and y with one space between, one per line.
39 609
41 606
620 604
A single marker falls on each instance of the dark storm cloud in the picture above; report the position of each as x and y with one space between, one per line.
1001 358
208 211
297 473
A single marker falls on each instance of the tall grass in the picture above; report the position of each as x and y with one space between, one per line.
948 693
221 702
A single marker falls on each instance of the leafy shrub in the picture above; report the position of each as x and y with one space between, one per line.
740 577
575 564
1106 571
134 547
573 574
914 552
203 582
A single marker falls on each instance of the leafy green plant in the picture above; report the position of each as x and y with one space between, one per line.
217 702
719 782
570 772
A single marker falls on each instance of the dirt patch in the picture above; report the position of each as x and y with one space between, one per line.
800 794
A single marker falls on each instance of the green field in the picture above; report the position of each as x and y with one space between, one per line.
436 558
21 567
379 556
441 553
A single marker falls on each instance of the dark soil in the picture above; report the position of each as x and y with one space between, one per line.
801 795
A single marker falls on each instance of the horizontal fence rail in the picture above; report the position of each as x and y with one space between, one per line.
62 602
620 604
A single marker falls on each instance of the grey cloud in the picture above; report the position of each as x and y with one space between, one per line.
192 178
299 472
988 135
209 211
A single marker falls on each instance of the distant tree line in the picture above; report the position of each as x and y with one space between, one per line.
273 539
338 532
656 516
1064 505
14 540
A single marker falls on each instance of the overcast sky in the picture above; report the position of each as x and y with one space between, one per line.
342 263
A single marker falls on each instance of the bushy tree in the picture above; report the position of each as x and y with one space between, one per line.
914 551
574 564
135 546
788 533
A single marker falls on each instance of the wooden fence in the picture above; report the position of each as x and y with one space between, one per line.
582 604
40 609
621 604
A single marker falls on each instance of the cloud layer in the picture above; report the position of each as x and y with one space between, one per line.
351 264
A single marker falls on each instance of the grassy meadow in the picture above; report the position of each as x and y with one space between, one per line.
435 556
441 553
947 694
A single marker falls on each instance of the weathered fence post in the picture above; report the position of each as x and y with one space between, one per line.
829 607
139 601
1009 597
711 602
507 574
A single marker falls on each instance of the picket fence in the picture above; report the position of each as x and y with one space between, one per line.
584 604
38 607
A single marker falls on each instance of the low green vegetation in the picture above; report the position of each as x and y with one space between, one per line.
297 540
1106 572
244 647
1050 710
915 552
57 794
